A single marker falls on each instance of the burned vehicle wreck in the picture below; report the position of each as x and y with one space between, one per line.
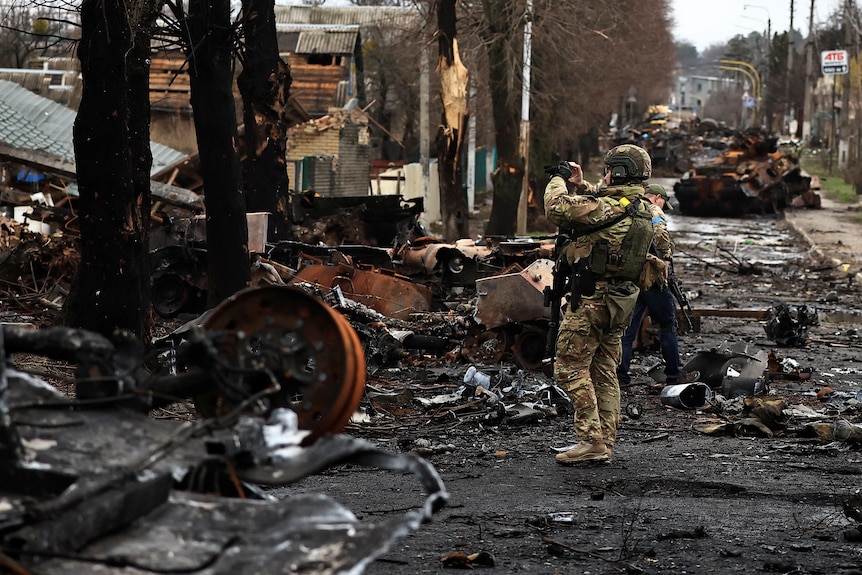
495 286
95 485
397 273
752 176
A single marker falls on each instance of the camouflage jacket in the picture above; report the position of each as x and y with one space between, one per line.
661 241
578 211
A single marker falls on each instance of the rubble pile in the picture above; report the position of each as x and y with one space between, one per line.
36 270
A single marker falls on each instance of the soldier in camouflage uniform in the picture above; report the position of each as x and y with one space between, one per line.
656 297
611 230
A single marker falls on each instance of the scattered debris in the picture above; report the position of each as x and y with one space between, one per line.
852 507
686 395
275 374
383 291
760 416
461 560
735 361
790 329
787 368
698 532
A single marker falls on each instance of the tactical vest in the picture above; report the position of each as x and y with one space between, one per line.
625 261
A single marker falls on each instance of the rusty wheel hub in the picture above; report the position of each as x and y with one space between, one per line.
284 335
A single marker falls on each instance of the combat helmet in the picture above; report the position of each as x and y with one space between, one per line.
628 163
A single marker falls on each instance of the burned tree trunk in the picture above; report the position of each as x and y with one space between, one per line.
264 84
111 139
211 40
508 176
453 94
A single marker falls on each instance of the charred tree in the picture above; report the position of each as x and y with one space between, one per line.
450 136
210 54
112 153
509 173
265 87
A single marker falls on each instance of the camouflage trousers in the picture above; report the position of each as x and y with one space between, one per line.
588 353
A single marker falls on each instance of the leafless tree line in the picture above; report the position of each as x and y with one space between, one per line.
589 56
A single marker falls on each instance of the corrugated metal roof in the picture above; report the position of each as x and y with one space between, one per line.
30 122
327 40
360 15
294 27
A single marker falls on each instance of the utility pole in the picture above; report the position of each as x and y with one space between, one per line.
808 110
766 74
788 108
471 148
424 125
767 105
844 130
525 121
854 140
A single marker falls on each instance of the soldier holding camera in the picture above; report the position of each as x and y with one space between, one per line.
610 230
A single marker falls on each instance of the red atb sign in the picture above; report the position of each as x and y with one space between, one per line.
834 62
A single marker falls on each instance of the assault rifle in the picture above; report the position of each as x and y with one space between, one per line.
679 296
553 297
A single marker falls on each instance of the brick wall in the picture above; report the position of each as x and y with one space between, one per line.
306 140
342 135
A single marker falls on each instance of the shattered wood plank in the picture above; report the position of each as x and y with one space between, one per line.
177 196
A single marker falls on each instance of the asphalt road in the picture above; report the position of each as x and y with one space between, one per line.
674 499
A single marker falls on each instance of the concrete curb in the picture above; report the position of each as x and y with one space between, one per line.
821 253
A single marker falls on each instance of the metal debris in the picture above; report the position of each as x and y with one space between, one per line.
787 368
752 176
382 290
790 329
686 395
95 485
734 361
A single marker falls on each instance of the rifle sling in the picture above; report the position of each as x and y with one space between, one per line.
573 235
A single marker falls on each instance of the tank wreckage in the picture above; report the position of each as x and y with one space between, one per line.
751 176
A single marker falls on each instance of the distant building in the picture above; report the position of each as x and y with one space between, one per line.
325 65
331 153
691 94
323 47
56 78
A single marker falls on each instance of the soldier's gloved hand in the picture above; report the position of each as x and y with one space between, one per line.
563 169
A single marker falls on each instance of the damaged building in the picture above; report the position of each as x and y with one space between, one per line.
331 156
39 160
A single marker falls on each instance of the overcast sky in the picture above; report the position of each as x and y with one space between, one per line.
707 22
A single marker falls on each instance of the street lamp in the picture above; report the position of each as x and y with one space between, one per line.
749 70
768 21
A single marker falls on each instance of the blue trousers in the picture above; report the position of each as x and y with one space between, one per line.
662 309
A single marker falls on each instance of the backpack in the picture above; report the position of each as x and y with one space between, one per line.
627 261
